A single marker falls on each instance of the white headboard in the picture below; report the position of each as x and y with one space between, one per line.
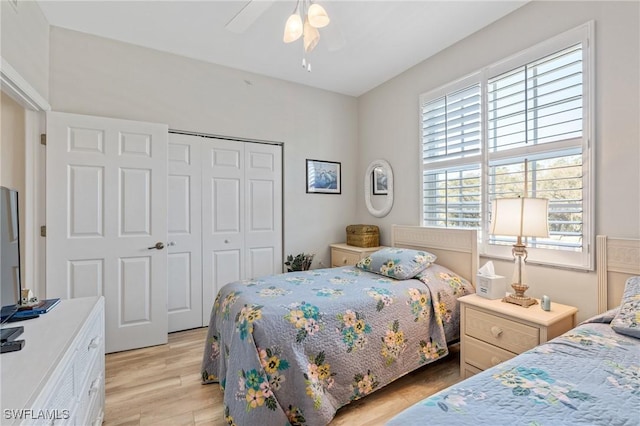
617 259
457 249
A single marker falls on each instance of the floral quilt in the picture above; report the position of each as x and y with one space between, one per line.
588 376
291 349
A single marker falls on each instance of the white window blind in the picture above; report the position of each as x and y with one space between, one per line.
451 125
452 197
537 103
478 133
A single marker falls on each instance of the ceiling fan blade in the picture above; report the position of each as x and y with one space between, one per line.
333 36
246 16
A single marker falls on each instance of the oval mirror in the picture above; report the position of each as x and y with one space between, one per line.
378 182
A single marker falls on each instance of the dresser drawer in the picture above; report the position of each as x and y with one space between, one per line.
90 348
343 258
500 332
92 396
482 355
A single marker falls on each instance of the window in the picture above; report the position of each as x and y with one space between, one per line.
521 127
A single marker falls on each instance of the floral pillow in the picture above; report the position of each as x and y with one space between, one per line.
399 263
628 318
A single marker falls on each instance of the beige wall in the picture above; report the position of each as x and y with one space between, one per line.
12 127
24 42
388 123
97 76
12 157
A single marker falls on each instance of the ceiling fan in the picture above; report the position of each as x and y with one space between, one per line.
253 9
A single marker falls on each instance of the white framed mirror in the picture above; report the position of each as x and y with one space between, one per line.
378 188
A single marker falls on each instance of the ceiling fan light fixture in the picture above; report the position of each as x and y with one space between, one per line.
318 17
293 28
311 36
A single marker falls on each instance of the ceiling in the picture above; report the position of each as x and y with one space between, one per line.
366 43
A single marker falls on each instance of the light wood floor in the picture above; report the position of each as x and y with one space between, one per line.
161 386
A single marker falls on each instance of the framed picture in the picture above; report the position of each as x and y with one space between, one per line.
379 181
323 177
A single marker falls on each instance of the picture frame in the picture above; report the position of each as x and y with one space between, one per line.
324 177
379 184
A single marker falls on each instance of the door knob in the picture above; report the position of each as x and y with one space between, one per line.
158 246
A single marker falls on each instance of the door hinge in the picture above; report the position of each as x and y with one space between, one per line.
43 231
43 139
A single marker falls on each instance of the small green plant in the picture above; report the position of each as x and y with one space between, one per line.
302 262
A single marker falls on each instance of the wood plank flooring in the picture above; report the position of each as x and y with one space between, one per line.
161 386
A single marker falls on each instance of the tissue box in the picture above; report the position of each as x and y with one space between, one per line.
491 287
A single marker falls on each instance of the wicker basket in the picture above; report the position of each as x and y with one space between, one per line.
363 235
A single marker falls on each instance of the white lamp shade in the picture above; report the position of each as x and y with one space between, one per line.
293 28
318 17
524 217
311 36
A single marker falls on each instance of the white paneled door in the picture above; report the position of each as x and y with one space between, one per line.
241 214
184 218
107 222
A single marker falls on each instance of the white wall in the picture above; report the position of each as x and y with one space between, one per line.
97 76
388 123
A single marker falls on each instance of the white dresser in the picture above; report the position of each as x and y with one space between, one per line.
58 377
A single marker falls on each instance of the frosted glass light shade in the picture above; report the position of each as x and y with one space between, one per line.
311 36
293 28
318 17
524 217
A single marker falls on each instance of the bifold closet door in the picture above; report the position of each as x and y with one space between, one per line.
241 214
184 260
225 220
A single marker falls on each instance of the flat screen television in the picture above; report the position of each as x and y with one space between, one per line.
10 278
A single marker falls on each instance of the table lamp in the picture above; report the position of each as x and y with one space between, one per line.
520 217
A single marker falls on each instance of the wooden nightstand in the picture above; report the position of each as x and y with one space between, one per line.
492 331
343 254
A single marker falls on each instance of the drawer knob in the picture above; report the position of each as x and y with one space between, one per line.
496 331
344 260
95 386
495 360
94 343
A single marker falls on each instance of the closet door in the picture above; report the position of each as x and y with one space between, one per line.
184 260
241 214
263 209
223 212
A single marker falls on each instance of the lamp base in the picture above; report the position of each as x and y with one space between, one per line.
525 301
519 297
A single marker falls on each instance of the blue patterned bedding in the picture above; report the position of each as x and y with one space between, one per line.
293 348
588 376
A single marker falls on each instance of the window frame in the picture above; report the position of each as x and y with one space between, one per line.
584 259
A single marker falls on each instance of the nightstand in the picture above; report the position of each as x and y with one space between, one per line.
492 331
343 254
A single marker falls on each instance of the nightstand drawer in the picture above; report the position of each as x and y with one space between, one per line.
483 355
343 258
501 332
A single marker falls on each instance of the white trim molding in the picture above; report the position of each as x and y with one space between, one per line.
14 85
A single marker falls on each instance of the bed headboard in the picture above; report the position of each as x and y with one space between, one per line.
457 249
616 260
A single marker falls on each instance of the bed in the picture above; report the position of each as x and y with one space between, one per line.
294 348
589 375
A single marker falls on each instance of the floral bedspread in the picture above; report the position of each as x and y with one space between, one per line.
588 376
293 348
